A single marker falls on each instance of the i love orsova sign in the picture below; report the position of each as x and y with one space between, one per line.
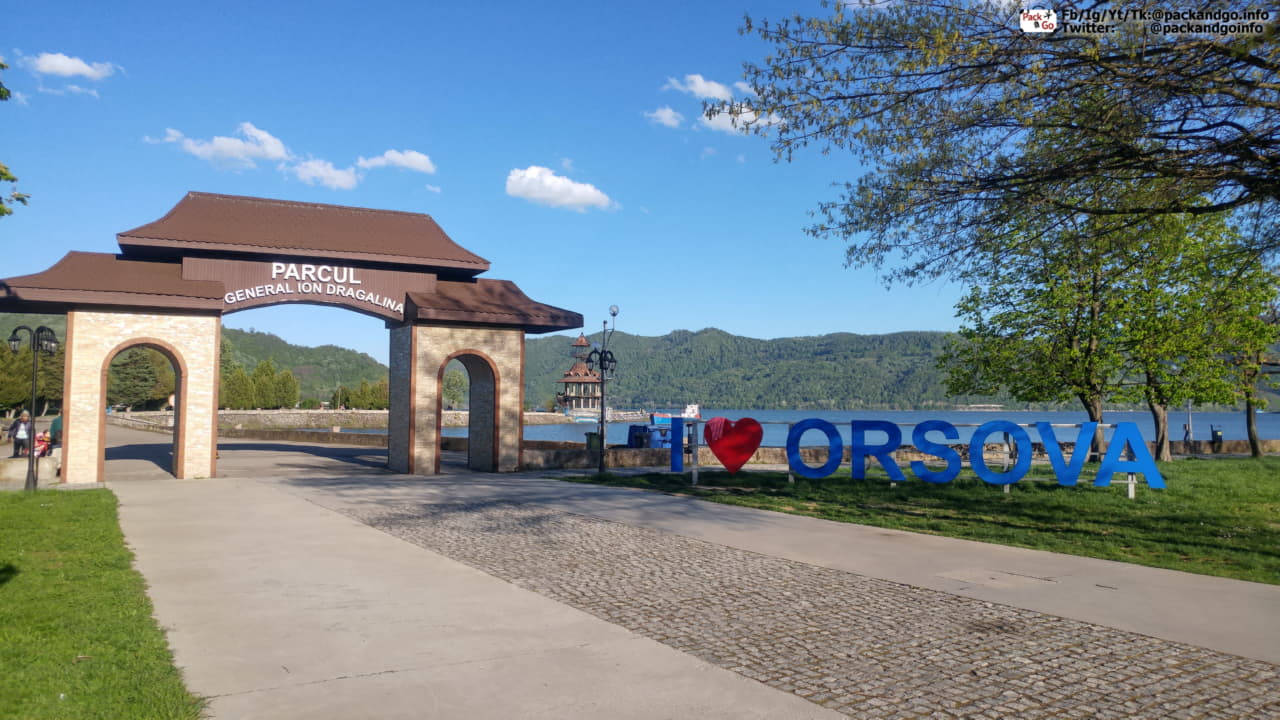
733 443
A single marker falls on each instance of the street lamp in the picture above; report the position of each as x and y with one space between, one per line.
603 357
42 340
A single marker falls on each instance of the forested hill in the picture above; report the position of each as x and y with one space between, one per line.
320 370
711 367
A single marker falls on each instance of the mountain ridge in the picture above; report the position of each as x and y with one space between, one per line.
711 367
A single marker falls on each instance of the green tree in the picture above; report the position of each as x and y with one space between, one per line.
52 375
264 384
362 397
1040 325
341 398
166 379
1256 368
14 196
131 378
380 394
238 391
15 384
455 388
1191 305
286 389
1127 309
945 102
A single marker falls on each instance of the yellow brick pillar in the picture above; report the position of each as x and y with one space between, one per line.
191 342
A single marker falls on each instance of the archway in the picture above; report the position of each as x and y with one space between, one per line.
121 356
215 254
482 409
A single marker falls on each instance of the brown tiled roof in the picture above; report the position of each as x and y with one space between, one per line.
233 224
488 302
581 341
579 373
83 278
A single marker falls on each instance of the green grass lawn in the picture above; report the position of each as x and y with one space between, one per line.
77 636
1217 517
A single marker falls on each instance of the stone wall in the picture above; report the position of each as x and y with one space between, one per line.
13 472
327 437
294 419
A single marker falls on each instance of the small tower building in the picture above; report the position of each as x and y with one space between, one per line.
581 390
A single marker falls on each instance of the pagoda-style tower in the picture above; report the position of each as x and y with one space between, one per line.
581 385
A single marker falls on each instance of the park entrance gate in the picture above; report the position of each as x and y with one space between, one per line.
175 278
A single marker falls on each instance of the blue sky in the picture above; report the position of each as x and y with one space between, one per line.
561 141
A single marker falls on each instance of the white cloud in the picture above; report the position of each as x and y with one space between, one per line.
744 88
434 188
170 135
700 87
20 98
322 171
665 116
724 122
65 66
230 152
541 185
407 159
253 144
707 152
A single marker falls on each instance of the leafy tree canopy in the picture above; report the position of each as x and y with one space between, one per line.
944 102
6 176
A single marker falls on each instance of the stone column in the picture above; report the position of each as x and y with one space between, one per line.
93 340
400 418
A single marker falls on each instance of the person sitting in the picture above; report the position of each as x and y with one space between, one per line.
44 444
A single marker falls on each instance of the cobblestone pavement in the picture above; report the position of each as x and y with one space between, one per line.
866 647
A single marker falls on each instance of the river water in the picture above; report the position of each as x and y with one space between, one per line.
775 423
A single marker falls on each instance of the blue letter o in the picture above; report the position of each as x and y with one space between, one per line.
979 463
835 448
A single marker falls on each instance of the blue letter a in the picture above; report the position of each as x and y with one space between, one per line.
1127 435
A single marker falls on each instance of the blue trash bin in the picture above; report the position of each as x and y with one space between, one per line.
638 436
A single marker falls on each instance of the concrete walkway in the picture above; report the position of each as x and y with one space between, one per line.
309 585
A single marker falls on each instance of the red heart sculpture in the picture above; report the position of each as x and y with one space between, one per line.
733 443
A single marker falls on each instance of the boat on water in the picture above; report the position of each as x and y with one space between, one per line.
691 412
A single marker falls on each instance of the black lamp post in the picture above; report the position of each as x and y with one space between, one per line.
42 340
603 357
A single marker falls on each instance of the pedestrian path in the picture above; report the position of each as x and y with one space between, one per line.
307 583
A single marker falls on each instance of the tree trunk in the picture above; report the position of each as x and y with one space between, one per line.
1093 408
1160 414
1251 423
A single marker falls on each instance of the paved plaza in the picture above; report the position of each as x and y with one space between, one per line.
326 589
